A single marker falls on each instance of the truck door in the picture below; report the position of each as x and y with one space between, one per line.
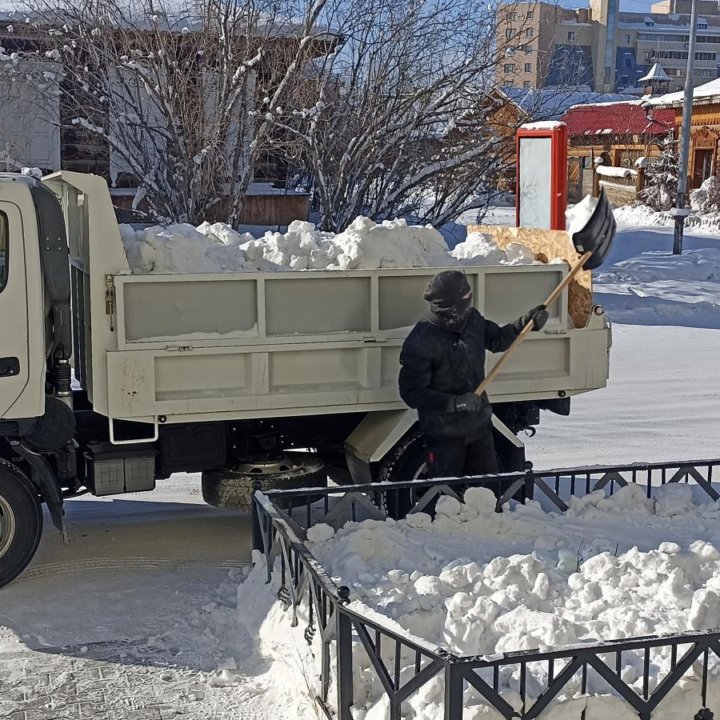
14 348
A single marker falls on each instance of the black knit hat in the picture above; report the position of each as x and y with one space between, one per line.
446 288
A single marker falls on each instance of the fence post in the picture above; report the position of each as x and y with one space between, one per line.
343 637
257 539
596 176
529 482
641 166
453 691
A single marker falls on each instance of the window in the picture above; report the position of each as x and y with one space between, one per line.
509 68
527 84
512 16
509 33
571 36
648 55
627 39
530 14
649 22
4 243
529 32
528 49
706 73
701 25
528 67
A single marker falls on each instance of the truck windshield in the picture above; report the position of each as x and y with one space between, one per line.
4 242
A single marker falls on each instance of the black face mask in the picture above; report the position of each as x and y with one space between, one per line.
453 317
449 306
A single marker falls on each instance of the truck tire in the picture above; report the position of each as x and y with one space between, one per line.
233 487
21 522
406 461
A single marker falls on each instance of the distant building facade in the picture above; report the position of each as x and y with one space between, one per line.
604 48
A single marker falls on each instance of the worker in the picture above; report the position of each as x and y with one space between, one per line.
442 363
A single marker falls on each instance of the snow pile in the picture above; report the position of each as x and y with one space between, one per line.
363 245
641 216
478 582
701 222
707 197
480 249
579 215
614 172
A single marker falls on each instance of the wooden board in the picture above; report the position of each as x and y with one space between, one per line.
547 246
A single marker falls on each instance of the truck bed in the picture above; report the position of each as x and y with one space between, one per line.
250 345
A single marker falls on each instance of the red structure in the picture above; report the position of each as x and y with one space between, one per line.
542 180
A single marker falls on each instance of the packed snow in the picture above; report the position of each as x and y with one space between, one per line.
480 583
214 248
616 172
578 216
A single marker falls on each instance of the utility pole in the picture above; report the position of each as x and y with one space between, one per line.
680 212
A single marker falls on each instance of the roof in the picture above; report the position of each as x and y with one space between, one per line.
552 103
624 118
702 95
656 73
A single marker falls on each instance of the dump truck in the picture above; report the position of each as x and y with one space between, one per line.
111 380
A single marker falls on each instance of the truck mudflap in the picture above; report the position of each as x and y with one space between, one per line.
378 433
44 479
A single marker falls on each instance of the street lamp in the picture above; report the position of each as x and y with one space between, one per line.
680 212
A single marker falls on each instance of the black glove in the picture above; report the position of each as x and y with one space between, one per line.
538 315
469 402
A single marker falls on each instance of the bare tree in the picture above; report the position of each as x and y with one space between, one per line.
397 127
168 90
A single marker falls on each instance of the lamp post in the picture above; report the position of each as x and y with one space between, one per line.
680 211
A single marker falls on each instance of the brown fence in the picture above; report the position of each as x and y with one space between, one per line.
620 189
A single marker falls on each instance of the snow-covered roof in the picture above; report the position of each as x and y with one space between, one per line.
656 73
702 94
551 103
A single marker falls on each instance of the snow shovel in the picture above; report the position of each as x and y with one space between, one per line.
593 243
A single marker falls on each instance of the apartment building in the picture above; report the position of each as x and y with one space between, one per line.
599 46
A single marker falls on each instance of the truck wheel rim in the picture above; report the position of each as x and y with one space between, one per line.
7 526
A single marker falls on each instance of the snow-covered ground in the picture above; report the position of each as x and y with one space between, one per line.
145 613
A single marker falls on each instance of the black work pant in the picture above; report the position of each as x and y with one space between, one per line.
460 457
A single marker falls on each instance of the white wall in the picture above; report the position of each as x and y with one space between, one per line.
29 109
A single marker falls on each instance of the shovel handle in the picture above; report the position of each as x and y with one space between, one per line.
574 270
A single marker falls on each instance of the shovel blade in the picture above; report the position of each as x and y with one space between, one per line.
598 234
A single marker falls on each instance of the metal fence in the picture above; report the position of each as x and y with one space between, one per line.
280 521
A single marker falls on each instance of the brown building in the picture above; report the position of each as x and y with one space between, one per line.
704 158
616 135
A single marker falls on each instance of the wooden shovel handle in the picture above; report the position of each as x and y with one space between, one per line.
574 270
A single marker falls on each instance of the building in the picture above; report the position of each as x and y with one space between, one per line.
704 159
618 135
602 47
52 120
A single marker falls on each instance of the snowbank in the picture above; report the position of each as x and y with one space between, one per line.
477 582
644 216
363 245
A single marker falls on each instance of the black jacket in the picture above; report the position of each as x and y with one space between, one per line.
437 365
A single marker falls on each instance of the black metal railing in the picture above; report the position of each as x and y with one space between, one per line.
403 665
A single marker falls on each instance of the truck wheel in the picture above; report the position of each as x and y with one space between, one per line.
21 522
233 487
406 461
